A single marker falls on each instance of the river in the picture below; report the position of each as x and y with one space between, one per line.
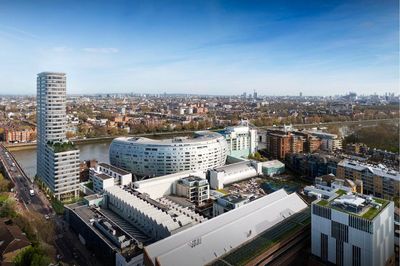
98 151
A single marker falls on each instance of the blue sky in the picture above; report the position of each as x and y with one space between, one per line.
321 47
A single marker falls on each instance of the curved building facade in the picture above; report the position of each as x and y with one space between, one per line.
149 157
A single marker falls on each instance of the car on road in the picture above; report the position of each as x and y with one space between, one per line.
46 216
31 192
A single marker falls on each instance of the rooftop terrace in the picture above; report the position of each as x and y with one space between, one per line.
355 204
62 146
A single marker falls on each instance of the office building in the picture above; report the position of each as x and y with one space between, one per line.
377 180
353 229
241 140
150 157
194 188
104 175
57 158
205 243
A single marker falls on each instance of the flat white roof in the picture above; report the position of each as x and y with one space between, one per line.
235 167
200 137
205 242
352 200
273 163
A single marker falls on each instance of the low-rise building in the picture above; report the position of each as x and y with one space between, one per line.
11 135
273 167
312 165
377 180
100 233
12 241
329 142
104 175
166 185
228 202
194 188
235 172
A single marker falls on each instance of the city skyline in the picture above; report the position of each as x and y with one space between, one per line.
229 48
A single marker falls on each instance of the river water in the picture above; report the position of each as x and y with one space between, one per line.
98 151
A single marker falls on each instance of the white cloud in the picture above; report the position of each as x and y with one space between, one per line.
101 50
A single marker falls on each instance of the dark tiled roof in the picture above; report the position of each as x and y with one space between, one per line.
11 238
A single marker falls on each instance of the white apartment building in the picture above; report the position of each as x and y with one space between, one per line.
351 229
150 157
57 158
194 188
105 175
242 140
329 142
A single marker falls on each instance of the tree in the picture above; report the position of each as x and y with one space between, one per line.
70 134
32 256
5 185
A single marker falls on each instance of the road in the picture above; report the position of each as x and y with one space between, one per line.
66 243
23 184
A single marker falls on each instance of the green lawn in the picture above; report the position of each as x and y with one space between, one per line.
371 213
323 202
381 201
341 192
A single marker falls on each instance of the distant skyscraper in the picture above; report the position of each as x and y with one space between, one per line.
57 158
255 95
301 94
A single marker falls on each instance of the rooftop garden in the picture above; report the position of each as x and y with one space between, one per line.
89 185
372 212
341 192
62 146
323 202
369 214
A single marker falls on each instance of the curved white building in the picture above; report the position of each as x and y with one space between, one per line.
150 157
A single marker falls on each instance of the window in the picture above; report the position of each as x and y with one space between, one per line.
356 258
340 231
324 247
339 253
